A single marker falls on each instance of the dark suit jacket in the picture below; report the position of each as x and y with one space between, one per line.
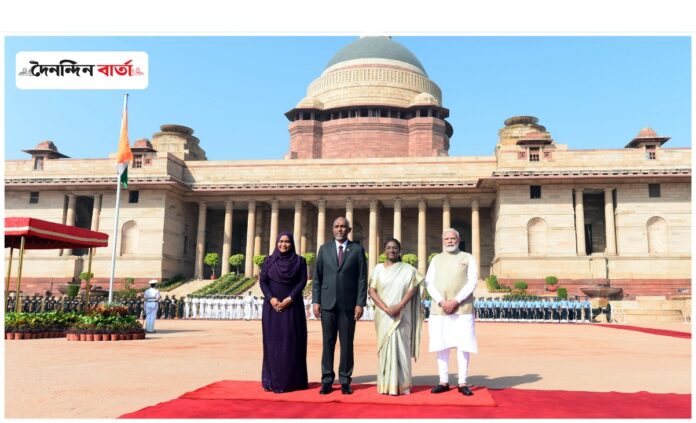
345 286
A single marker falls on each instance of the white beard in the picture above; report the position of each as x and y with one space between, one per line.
451 249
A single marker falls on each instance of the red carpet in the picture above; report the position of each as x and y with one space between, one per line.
663 332
362 394
221 400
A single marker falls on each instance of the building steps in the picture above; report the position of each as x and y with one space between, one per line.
650 309
188 287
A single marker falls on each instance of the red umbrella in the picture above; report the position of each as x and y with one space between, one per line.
29 233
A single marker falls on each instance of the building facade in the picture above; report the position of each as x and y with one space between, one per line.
370 141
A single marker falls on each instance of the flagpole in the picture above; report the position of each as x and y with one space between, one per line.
118 200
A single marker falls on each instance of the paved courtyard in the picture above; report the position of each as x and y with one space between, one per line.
54 378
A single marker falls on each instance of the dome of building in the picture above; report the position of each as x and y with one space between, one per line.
376 48
372 71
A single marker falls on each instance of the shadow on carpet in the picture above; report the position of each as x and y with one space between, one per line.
245 399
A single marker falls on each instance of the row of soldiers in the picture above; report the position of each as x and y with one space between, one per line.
530 309
38 304
169 308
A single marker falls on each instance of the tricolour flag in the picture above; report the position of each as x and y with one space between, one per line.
124 154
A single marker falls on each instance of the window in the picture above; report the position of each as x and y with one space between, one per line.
33 197
133 196
38 163
533 154
654 190
137 161
535 191
650 152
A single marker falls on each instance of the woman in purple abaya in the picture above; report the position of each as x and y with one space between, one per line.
283 277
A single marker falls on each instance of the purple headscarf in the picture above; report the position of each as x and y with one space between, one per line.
283 267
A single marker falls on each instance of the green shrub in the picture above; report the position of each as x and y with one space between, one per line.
562 293
259 260
86 276
551 280
521 285
492 283
430 257
73 289
382 258
410 258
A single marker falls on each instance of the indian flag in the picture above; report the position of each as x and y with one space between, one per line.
124 154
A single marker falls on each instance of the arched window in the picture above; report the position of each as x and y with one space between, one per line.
536 237
657 236
129 237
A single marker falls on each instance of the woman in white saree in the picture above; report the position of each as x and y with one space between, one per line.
395 287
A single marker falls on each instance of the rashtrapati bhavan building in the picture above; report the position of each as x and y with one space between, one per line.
370 141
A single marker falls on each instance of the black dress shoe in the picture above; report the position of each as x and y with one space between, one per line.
465 390
325 388
345 389
440 389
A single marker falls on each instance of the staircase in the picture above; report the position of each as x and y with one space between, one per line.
188 287
650 309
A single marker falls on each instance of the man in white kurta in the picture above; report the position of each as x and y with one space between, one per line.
451 280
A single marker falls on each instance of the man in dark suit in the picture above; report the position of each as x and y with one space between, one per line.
339 294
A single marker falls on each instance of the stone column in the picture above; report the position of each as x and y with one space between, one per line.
476 235
251 228
321 224
297 227
70 217
349 216
258 233
580 222
200 240
372 252
227 238
422 240
274 226
303 233
609 221
397 219
446 215
96 211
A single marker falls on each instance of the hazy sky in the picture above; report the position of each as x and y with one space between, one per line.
589 92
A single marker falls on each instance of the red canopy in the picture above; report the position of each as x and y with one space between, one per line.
40 234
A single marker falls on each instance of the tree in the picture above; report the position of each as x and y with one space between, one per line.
236 261
311 258
212 260
259 260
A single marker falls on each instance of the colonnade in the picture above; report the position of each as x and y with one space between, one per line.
255 227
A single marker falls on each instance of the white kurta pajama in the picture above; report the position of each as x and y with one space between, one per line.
452 330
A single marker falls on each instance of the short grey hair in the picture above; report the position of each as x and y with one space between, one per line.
448 230
341 217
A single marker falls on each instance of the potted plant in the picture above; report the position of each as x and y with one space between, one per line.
212 260
310 258
259 260
551 283
236 261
